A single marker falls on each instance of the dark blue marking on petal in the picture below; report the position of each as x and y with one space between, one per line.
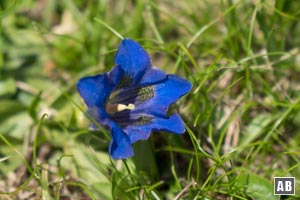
144 93
115 75
142 120
125 81
125 118
118 78
131 95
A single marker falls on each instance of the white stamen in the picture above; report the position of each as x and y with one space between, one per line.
122 107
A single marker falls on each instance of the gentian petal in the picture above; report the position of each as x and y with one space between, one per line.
165 93
133 59
153 75
94 90
115 75
173 124
120 146
99 115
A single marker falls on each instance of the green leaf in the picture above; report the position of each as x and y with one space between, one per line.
15 125
33 106
9 108
120 186
7 87
256 128
13 160
144 159
256 187
90 166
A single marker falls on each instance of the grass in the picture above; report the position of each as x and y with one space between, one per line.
242 116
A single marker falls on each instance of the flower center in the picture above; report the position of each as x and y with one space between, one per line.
113 108
122 99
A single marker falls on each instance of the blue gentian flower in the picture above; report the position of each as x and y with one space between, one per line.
132 99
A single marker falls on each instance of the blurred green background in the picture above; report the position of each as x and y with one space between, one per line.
242 116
